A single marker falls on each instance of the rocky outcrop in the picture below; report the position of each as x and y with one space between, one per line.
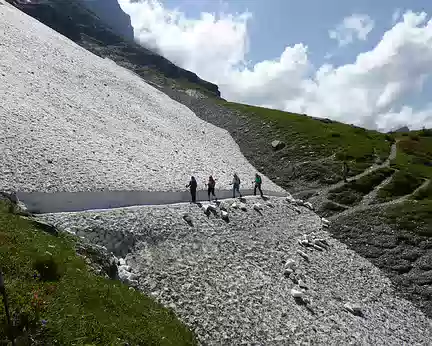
113 16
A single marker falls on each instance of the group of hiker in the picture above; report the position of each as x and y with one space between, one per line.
211 184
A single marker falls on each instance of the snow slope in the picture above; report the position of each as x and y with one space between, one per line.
71 121
228 281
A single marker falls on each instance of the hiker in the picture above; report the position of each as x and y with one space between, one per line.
258 182
193 187
345 171
211 188
236 185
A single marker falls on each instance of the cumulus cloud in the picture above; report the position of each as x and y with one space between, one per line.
356 26
396 15
367 92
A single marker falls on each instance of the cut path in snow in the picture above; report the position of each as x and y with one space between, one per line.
42 202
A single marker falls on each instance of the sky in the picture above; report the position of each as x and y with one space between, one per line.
363 62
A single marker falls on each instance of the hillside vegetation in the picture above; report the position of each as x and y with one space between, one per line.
55 299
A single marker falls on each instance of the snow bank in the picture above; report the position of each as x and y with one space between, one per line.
71 121
232 281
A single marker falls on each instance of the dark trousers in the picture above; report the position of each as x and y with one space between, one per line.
236 187
258 186
193 195
211 190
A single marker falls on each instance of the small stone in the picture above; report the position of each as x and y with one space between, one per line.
319 248
242 206
307 300
297 293
224 214
288 272
277 145
308 205
293 278
257 207
302 284
290 199
122 262
187 218
234 205
290 263
320 243
355 309
302 254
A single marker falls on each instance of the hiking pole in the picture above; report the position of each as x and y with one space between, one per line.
5 302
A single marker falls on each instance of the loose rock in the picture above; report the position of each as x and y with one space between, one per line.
297 293
303 255
355 309
277 145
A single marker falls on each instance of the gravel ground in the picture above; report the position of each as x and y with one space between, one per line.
71 121
226 279
406 257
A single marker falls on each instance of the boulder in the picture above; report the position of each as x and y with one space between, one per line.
277 145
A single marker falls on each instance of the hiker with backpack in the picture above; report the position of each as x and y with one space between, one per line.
211 188
258 182
193 188
236 185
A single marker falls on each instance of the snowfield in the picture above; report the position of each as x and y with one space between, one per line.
229 282
71 121
240 272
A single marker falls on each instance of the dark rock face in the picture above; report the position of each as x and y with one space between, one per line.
110 12
73 19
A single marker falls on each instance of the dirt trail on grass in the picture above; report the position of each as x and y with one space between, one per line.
320 195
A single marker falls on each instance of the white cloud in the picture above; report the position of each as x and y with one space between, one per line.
356 26
396 15
366 92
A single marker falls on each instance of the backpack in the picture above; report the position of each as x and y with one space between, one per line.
258 179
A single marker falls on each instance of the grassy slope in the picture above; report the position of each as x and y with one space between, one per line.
79 307
414 160
352 192
311 139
